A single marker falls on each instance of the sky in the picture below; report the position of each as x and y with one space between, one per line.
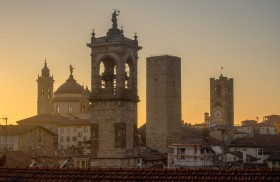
242 36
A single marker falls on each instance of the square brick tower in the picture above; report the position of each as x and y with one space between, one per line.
164 117
221 108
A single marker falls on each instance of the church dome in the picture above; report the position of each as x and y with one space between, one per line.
70 87
86 92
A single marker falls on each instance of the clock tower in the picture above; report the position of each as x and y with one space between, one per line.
221 108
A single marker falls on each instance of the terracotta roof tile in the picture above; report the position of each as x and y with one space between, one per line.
98 174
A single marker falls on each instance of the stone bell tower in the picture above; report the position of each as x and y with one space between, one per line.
114 97
221 108
45 91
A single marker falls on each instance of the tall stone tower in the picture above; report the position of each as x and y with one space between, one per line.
221 108
45 91
114 97
164 118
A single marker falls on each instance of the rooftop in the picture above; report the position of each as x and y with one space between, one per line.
103 174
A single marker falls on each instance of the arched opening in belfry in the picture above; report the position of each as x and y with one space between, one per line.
128 73
107 72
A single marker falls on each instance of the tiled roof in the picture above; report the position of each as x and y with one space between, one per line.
240 156
150 155
103 174
23 158
274 157
45 118
258 141
19 129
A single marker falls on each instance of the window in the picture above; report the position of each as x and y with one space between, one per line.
195 150
181 157
68 139
260 151
74 139
39 139
120 135
57 109
42 93
48 93
70 109
183 151
83 108
15 138
10 138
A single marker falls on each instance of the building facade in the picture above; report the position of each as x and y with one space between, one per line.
26 138
190 155
163 102
74 134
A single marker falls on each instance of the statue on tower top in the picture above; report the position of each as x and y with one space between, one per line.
114 18
71 69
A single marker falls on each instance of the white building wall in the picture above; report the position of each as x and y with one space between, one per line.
267 131
189 156
71 135
253 151
12 142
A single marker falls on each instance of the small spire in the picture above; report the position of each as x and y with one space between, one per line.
93 34
45 62
135 36
222 70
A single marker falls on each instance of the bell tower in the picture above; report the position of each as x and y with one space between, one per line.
114 94
221 108
45 91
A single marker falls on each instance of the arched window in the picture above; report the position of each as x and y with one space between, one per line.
107 72
42 93
70 109
48 93
57 109
127 75
83 108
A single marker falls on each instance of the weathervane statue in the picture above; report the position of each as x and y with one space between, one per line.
71 69
114 18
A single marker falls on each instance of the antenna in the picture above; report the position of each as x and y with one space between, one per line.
222 70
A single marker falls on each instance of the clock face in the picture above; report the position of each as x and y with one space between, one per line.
218 114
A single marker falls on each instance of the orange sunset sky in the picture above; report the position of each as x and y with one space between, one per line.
243 36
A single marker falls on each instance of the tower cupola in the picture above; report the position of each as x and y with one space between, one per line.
45 70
